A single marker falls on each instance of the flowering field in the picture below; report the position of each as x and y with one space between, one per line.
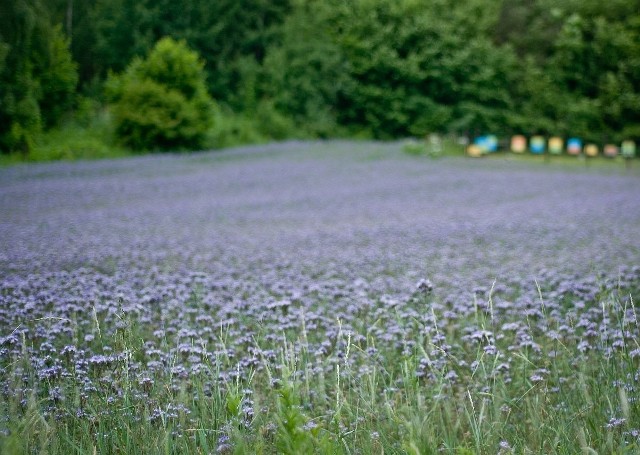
319 297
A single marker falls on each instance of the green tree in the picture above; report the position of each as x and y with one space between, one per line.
37 76
161 102
58 79
227 34
530 27
413 67
306 73
597 62
79 20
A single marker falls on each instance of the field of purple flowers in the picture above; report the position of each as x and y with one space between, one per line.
319 297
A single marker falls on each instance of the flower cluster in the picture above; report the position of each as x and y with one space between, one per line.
161 270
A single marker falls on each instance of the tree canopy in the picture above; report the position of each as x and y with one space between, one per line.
374 67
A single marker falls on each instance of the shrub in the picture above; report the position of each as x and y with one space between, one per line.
161 103
86 135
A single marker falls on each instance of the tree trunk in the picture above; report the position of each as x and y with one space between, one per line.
69 18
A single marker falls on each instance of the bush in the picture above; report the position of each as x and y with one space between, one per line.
161 103
85 135
234 129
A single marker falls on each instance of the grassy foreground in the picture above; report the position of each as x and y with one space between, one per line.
547 377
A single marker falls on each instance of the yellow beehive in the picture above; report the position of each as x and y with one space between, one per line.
556 145
591 150
474 150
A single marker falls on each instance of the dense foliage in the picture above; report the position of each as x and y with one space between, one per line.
37 74
161 102
327 68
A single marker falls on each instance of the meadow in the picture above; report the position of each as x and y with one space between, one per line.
319 297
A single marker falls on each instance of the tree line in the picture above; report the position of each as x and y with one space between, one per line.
320 68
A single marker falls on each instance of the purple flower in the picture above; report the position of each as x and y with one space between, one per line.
615 422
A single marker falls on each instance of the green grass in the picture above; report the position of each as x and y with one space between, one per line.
447 147
375 405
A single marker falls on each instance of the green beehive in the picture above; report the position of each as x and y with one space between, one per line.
628 149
